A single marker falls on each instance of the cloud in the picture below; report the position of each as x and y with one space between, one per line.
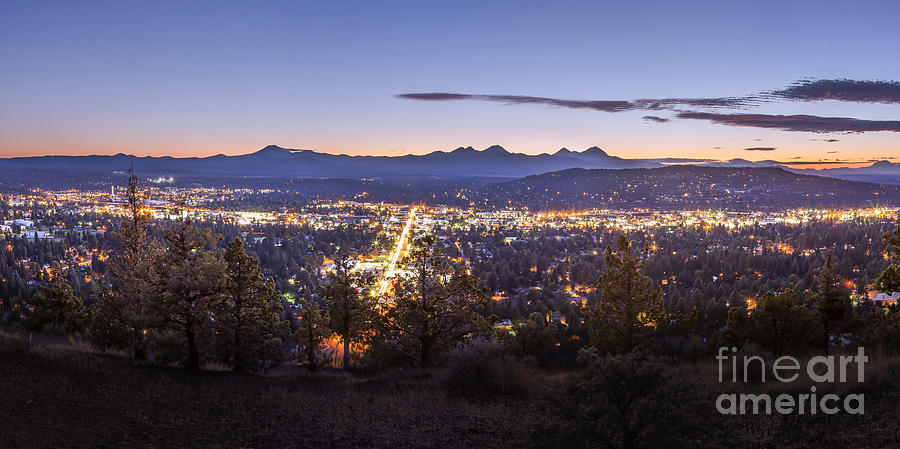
841 90
760 149
723 102
826 140
804 123
847 90
833 152
597 105
796 157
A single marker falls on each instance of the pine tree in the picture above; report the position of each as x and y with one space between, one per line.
779 323
189 292
889 280
251 312
56 308
312 330
432 306
892 243
831 301
629 309
119 317
350 303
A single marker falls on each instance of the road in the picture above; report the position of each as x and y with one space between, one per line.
395 255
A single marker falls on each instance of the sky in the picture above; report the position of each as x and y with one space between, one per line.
202 78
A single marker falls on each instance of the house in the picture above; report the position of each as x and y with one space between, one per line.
886 299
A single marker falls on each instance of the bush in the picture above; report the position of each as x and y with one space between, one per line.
482 368
630 400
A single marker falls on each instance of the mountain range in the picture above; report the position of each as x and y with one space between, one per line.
464 162
275 161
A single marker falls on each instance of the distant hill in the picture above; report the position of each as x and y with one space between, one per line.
672 187
276 162
687 186
885 172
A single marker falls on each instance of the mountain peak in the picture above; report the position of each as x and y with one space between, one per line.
883 164
496 149
594 151
463 150
563 152
270 148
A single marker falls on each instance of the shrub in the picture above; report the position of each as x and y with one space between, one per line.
482 368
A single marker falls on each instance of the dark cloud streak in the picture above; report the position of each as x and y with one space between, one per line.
803 123
597 105
841 90
804 90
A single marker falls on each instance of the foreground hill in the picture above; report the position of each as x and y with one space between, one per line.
53 398
56 398
687 186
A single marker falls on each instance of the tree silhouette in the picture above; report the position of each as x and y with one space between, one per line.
120 318
629 310
432 306
312 330
56 308
350 303
188 288
831 301
251 311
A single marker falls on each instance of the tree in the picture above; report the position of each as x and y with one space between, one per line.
188 292
432 306
889 280
56 308
350 303
832 300
312 330
629 310
251 313
779 323
534 337
892 243
120 318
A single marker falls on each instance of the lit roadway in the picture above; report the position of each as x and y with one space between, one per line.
398 248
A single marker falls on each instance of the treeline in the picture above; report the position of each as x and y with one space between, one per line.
708 269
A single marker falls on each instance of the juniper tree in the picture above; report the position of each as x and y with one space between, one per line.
350 303
432 306
251 313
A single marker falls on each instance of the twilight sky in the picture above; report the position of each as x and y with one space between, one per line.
359 77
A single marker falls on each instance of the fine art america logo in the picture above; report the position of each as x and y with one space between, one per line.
819 369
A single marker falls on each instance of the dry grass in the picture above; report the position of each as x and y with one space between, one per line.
69 397
56 398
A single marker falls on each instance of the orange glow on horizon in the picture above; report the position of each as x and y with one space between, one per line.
823 166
